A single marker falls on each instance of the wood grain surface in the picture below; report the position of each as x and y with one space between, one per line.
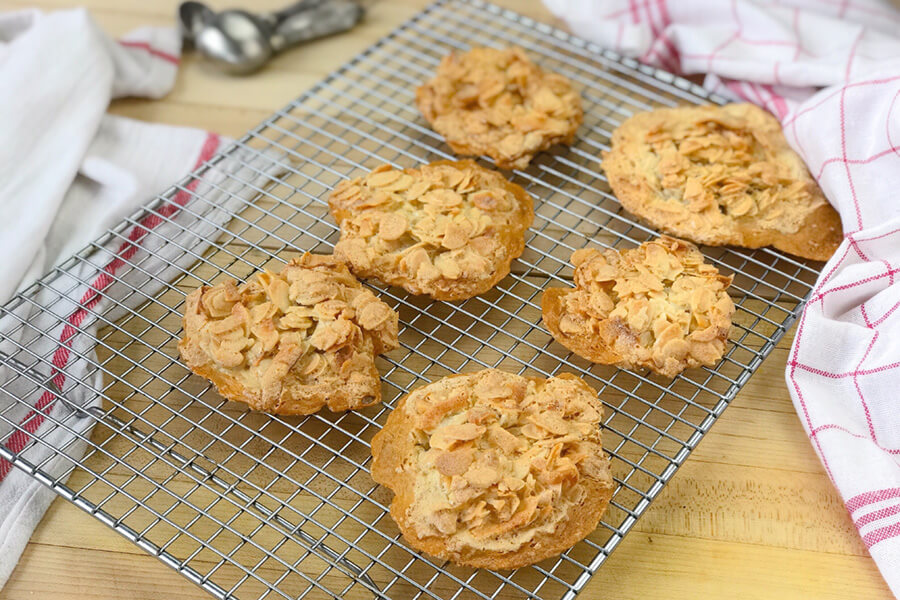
750 515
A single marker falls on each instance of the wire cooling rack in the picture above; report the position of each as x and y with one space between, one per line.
254 506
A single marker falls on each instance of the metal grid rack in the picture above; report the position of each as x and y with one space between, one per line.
249 505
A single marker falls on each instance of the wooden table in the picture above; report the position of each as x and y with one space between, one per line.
751 515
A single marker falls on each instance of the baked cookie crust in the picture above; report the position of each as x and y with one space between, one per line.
721 176
495 470
448 230
291 342
657 306
497 102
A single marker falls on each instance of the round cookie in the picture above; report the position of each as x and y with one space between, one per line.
448 230
497 102
657 306
495 470
291 342
721 175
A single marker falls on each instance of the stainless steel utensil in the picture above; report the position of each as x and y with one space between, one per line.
241 41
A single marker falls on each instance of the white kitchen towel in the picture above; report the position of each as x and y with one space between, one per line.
830 71
68 172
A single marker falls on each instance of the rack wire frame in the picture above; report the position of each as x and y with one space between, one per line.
256 506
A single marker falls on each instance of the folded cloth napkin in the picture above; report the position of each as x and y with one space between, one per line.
68 172
830 71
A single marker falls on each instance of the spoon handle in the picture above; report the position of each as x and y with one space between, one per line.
310 19
279 16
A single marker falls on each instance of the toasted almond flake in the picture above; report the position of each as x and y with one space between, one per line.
482 476
373 315
448 267
329 335
313 364
552 422
463 432
392 226
455 462
382 178
219 300
456 235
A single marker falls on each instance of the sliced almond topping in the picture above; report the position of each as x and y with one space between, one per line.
330 334
508 442
265 332
708 352
448 267
456 235
382 178
445 522
483 245
444 198
392 226
463 432
511 145
742 206
287 355
455 462
266 310
277 289
373 314
705 335
312 292
417 189
550 421
482 476
313 364
546 101
569 324
583 255
219 300
331 309
297 317
518 520
486 199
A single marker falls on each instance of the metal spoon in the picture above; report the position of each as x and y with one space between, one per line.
241 41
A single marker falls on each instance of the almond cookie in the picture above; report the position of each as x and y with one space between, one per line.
499 103
291 342
721 176
657 306
495 470
448 230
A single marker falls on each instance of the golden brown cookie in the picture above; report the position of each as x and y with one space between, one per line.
657 306
290 342
499 103
495 470
448 230
721 176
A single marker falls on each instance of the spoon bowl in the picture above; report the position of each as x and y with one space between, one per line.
236 40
